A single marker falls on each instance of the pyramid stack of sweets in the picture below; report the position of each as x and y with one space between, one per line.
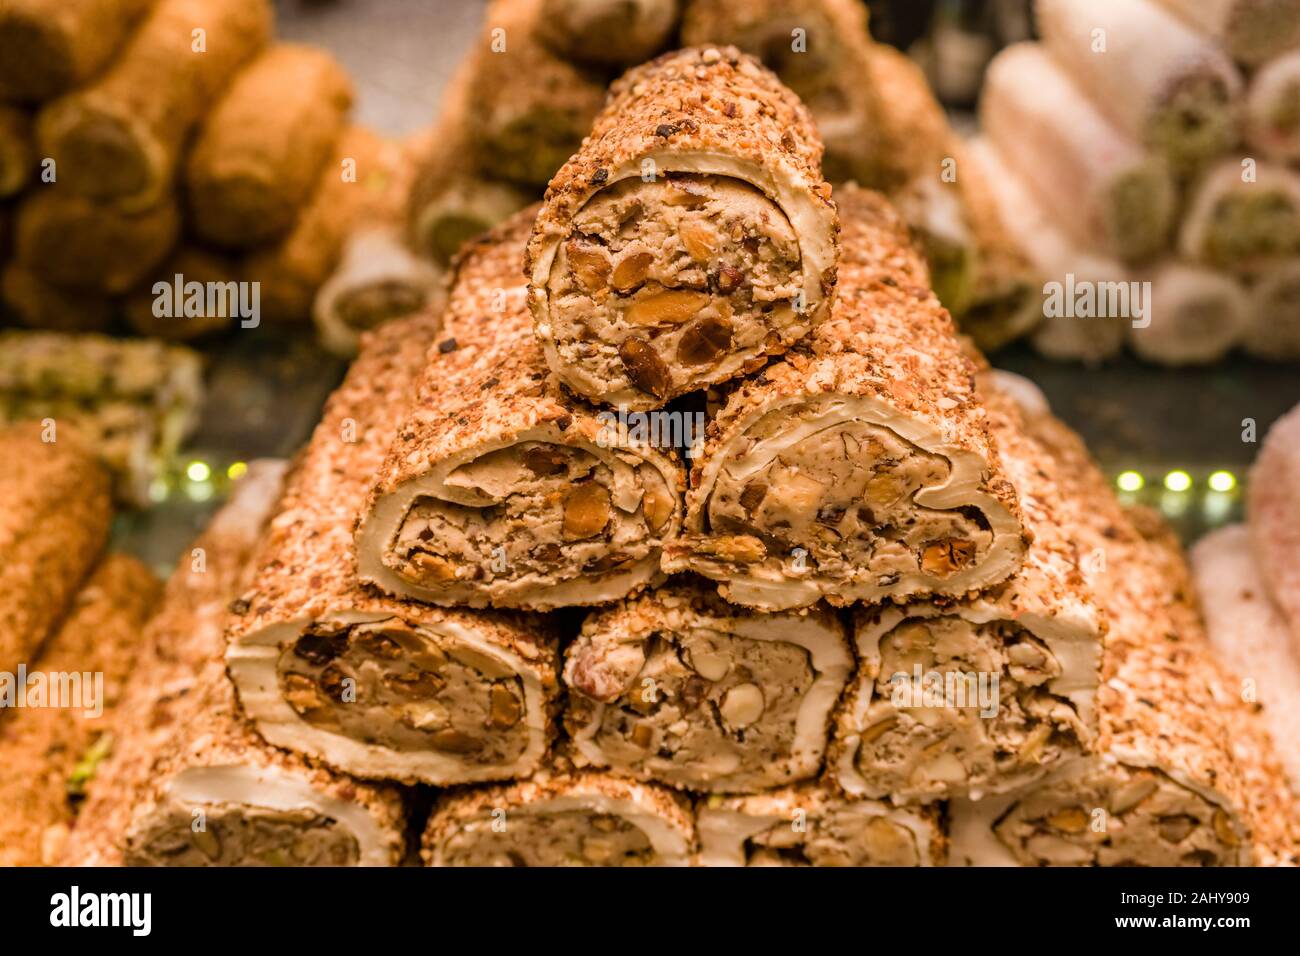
152 147
876 614
1149 148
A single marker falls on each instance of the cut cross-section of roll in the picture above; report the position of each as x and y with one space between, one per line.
981 695
1184 772
373 686
863 470
681 688
500 488
560 819
810 825
1243 216
689 238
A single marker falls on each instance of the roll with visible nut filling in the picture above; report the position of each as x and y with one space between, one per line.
680 688
862 469
1184 773
500 488
1244 217
691 237
559 819
984 694
811 826
377 687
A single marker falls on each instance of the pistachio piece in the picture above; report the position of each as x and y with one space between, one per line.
454 741
742 705
947 555
631 271
645 368
705 340
668 307
1069 820
586 511
505 708
589 263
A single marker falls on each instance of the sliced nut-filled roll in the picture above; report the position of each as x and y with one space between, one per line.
1252 31
810 825
980 695
689 238
1184 773
53 526
861 469
1193 316
372 686
680 688
1273 108
561 819
500 488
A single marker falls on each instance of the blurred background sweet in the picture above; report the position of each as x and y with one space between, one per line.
258 182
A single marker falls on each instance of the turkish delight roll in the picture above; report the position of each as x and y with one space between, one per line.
982 695
1273 108
1183 772
38 304
1194 316
121 137
608 32
68 240
17 149
812 825
258 155
1167 85
1273 325
561 819
1250 634
1092 177
1274 516
691 237
47 47
500 488
1243 216
373 686
378 278
1252 31
52 529
450 202
50 750
680 688
862 469
529 108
